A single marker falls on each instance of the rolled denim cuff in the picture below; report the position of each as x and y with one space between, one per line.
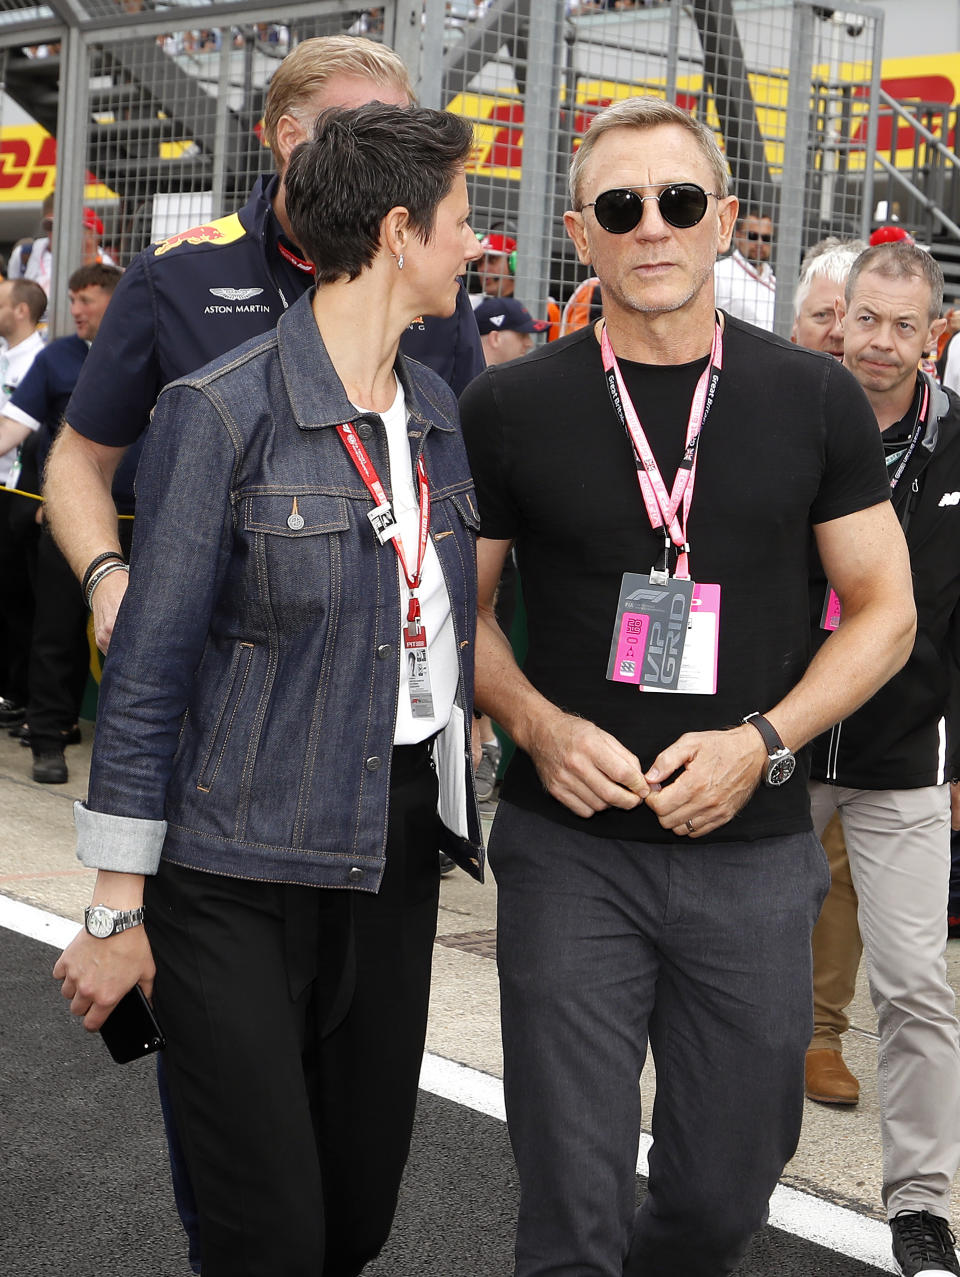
121 844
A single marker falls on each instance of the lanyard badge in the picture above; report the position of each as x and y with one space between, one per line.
665 636
384 523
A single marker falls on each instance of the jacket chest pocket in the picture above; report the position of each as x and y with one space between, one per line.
295 515
297 539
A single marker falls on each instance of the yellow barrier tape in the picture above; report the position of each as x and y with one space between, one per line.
19 492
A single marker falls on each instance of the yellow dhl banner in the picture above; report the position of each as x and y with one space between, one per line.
28 167
28 153
498 120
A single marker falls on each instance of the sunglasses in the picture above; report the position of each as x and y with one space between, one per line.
682 204
755 235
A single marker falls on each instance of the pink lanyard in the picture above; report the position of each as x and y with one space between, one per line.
662 507
359 456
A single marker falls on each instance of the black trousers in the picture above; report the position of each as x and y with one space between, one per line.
295 1019
16 612
59 651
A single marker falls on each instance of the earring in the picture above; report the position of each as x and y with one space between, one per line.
400 262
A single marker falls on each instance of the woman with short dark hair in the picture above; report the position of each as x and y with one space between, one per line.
283 744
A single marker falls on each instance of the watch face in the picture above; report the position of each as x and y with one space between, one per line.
781 770
100 922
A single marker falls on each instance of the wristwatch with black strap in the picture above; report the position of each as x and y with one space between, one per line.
101 921
781 763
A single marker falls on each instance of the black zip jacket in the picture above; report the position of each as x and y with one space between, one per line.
906 735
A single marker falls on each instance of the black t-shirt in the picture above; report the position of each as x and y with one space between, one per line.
790 441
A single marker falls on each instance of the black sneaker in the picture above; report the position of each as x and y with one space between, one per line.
923 1243
11 715
50 767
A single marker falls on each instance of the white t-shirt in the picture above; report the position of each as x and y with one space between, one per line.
746 291
434 600
14 362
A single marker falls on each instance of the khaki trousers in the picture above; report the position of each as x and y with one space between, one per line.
898 843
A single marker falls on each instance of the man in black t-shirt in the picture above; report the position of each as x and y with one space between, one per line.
650 886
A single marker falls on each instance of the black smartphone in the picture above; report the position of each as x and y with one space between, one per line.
131 1029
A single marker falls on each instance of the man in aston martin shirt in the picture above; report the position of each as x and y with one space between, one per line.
887 768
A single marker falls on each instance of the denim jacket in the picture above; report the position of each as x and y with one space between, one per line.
248 702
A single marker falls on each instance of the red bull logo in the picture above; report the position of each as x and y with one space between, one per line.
224 231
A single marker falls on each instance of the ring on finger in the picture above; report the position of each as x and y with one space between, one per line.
689 825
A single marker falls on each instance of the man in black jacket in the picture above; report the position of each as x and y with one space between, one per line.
890 768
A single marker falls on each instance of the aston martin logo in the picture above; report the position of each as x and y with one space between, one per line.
236 294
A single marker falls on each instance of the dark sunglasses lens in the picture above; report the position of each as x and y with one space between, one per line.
618 211
683 205
755 235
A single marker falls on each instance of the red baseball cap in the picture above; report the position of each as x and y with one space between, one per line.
496 242
891 234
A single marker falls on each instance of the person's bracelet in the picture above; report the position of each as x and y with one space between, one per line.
100 574
108 556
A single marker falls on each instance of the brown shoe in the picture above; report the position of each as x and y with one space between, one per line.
828 1080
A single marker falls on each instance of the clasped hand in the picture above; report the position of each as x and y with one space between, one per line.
588 770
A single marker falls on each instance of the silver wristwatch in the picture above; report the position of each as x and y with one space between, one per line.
781 763
102 921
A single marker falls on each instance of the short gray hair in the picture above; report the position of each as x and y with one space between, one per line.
899 260
830 258
646 113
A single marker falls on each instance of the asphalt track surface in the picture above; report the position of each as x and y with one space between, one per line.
84 1189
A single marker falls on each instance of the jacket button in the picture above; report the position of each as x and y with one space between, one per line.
373 764
384 650
356 873
365 430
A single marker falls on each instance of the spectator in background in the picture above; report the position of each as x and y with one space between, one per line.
39 264
20 254
816 324
584 306
496 267
506 329
22 303
887 767
59 655
745 285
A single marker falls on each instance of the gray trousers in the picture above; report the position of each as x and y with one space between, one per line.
898 844
705 950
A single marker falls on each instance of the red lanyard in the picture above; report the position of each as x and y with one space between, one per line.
662 507
360 457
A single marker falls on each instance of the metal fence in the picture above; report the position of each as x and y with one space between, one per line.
156 107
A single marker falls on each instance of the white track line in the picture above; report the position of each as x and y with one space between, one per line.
801 1214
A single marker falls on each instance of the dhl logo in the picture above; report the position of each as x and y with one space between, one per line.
28 166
